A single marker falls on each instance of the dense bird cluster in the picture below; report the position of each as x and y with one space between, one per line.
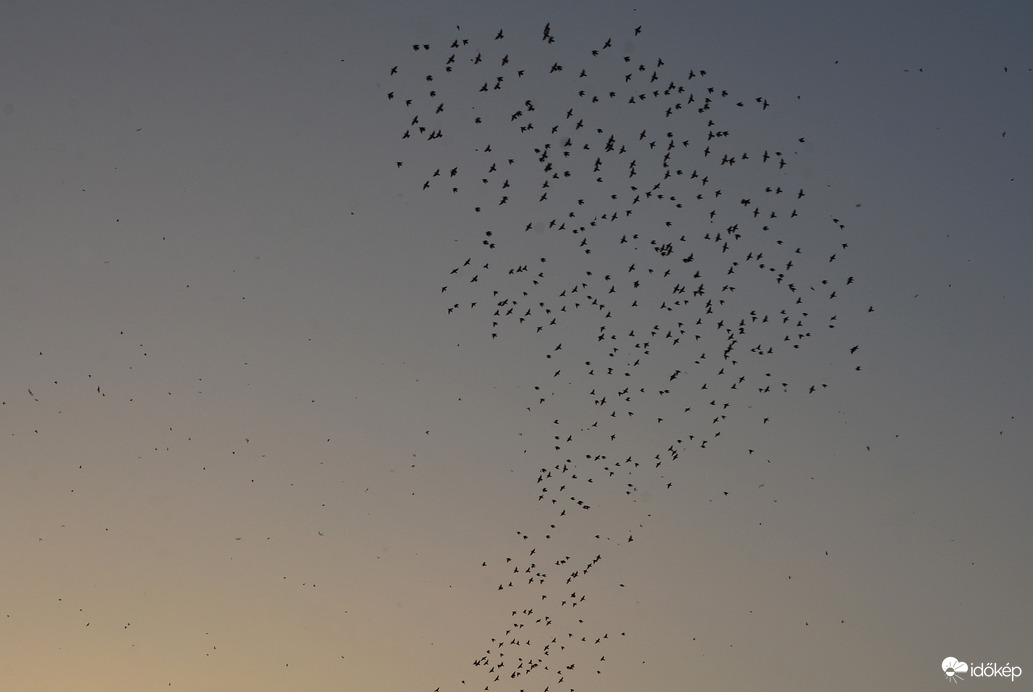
669 271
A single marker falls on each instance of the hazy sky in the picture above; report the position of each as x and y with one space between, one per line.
280 414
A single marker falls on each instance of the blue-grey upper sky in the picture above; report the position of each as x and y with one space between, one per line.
483 345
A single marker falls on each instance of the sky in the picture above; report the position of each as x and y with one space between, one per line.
677 346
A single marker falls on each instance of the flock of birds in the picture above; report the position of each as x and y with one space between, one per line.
669 273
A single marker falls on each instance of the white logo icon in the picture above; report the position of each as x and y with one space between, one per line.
952 667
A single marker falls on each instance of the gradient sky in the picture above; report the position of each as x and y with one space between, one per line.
247 446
